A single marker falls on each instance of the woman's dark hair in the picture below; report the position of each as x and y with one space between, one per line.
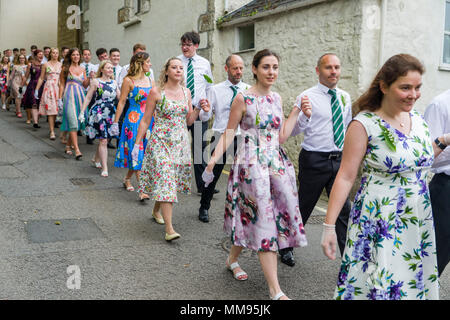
395 67
261 54
68 61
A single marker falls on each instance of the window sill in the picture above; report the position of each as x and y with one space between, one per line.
444 67
132 22
246 50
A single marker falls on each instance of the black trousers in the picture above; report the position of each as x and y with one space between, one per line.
208 192
440 204
198 130
318 170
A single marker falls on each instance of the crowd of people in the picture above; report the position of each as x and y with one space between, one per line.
394 239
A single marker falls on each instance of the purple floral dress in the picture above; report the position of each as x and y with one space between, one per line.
390 252
261 206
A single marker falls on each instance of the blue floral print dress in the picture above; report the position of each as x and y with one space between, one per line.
390 252
138 99
261 205
102 113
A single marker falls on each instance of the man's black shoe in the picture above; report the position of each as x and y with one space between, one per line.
89 141
203 215
216 191
287 257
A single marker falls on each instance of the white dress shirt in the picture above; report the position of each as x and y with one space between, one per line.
437 115
90 67
201 67
318 130
123 73
219 97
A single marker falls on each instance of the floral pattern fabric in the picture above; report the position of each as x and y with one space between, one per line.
261 206
137 98
49 100
390 252
3 84
101 115
167 164
16 81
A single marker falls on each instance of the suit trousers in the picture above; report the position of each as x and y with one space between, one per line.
198 130
208 192
440 204
318 170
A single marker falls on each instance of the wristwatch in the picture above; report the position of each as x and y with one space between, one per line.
440 144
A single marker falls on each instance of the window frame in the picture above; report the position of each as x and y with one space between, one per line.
237 38
443 65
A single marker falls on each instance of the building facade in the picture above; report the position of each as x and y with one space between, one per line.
363 33
27 22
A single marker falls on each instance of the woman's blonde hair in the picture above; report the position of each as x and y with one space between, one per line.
163 77
101 67
137 64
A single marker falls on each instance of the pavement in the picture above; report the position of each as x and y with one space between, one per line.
68 233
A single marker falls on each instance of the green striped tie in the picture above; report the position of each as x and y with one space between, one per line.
338 120
235 91
190 78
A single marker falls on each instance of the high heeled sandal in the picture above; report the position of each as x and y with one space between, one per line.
240 276
96 164
104 174
143 197
68 151
129 187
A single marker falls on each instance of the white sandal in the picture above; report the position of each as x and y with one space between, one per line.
104 174
278 296
238 275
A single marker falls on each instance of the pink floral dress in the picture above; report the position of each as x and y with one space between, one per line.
166 168
261 206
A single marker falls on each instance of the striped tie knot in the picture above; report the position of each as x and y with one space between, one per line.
338 120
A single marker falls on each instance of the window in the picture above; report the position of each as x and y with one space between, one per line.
446 53
246 37
137 6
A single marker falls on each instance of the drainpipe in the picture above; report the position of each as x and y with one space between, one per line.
383 15
225 5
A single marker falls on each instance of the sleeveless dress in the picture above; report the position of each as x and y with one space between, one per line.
166 169
16 81
390 252
261 206
73 100
137 99
49 99
3 84
102 113
29 101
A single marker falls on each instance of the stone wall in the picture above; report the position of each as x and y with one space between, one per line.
301 36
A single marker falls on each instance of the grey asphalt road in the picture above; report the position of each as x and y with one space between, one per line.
68 233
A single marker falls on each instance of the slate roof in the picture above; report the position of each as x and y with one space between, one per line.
256 6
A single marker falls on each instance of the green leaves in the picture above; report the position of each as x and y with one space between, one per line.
208 79
388 137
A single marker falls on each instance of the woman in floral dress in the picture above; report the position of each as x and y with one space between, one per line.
390 252
49 100
17 78
261 206
30 102
73 81
101 115
4 79
136 87
167 164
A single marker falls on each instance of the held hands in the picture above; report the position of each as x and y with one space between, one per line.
204 105
207 177
135 152
114 130
81 117
329 241
306 106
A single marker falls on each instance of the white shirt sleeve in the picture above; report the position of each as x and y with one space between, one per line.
434 119
212 98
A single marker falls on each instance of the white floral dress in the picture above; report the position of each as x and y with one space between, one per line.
390 252
166 168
